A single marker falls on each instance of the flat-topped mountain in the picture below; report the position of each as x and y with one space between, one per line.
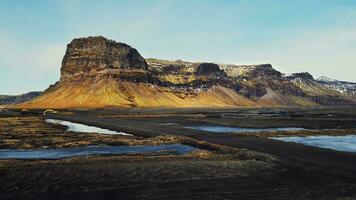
98 72
98 57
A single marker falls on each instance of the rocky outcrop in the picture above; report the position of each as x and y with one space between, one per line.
184 75
264 71
240 71
209 69
98 57
302 75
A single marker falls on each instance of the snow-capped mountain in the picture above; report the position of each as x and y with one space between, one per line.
309 85
326 79
344 87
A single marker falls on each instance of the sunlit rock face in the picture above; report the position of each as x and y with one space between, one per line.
98 57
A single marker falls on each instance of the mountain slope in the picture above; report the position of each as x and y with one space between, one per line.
319 92
309 86
110 92
250 81
97 72
275 98
343 87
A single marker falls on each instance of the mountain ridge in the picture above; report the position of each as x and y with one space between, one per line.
98 72
15 99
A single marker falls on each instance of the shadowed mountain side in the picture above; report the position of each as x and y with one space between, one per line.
274 98
14 99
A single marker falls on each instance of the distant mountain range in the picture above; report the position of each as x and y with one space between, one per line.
15 99
97 72
344 87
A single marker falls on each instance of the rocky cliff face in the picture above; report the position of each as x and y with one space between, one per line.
239 71
98 72
187 75
209 69
301 75
98 57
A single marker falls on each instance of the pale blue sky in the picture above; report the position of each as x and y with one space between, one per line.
318 36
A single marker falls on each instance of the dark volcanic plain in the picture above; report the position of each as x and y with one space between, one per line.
227 166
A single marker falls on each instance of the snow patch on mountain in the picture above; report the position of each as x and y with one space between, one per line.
347 88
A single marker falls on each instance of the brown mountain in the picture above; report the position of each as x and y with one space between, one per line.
97 72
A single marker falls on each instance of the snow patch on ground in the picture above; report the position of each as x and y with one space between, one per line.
76 127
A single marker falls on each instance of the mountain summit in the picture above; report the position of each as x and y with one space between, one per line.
97 57
98 72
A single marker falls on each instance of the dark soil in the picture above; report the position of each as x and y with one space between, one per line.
300 172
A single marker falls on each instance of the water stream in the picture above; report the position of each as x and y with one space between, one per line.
172 149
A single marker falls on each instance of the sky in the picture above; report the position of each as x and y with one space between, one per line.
316 36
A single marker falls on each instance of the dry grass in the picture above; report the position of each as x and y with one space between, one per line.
126 94
34 132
